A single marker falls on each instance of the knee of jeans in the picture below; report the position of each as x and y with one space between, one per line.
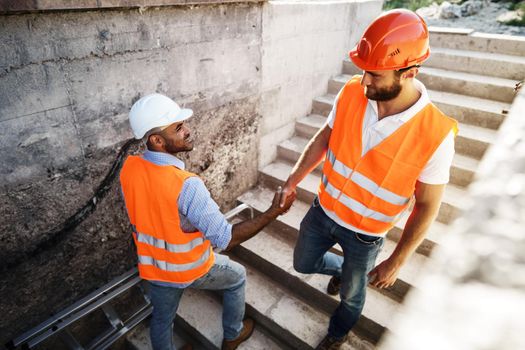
302 265
241 274
353 294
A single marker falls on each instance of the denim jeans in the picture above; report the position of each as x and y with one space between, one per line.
317 234
225 275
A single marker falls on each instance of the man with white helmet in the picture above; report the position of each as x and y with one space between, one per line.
176 224
384 143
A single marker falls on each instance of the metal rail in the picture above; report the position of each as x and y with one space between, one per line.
99 299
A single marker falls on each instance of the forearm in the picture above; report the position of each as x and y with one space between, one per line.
245 230
312 155
414 232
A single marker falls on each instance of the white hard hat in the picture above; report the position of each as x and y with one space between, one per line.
154 111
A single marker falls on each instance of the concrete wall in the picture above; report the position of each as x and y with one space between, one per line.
304 44
67 81
473 296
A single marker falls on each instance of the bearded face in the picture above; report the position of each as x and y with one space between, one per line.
384 93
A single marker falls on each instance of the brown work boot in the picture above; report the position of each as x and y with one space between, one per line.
334 285
246 332
329 343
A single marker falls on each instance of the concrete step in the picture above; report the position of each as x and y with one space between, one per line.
322 105
471 110
477 62
475 85
276 173
138 338
200 313
461 172
199 322
467 39
273 304
471 141
273 254
491 88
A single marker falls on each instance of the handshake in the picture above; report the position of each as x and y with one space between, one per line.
282 200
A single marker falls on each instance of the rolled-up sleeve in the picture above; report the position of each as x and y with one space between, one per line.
197 206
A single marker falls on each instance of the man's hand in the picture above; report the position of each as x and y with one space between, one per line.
286 193
245 230
282 201
385 274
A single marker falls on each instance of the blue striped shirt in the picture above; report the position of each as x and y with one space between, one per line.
197 210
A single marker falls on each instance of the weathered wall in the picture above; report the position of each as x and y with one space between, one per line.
473 297
304 44
67 81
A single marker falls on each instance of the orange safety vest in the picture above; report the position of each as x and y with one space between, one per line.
165 252
369 192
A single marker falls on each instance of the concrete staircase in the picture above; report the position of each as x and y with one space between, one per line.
470 77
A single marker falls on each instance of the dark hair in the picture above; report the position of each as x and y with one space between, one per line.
154 131
398 72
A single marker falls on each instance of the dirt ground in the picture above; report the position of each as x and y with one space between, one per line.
485 21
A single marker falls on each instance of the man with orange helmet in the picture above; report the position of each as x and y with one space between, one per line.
384 144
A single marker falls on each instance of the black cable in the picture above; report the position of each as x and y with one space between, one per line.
59 233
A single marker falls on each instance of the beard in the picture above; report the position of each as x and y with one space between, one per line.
385 93
185 146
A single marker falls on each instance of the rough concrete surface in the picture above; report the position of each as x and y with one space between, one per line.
67 81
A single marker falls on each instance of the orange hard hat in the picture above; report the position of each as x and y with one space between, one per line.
396 39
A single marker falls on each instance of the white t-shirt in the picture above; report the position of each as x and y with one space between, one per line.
437 170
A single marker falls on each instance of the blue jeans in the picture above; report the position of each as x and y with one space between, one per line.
318 233
225 275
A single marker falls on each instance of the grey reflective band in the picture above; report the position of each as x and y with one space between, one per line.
380 192
360 209
365 182
338 165
355 206
331 190
324 180
330 156
170 247
166 266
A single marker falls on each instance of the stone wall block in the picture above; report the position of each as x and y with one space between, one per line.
38 145
72 35
33 89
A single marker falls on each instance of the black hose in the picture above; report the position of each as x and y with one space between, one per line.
58 234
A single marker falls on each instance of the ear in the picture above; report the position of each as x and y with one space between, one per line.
411 73
156 141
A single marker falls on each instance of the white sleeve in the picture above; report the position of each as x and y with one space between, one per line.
437 170
333 112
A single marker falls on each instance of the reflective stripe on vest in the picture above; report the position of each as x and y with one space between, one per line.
365 182
355 205
169 267
370 191
172 248
165 252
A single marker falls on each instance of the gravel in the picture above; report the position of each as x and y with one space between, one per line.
484 21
